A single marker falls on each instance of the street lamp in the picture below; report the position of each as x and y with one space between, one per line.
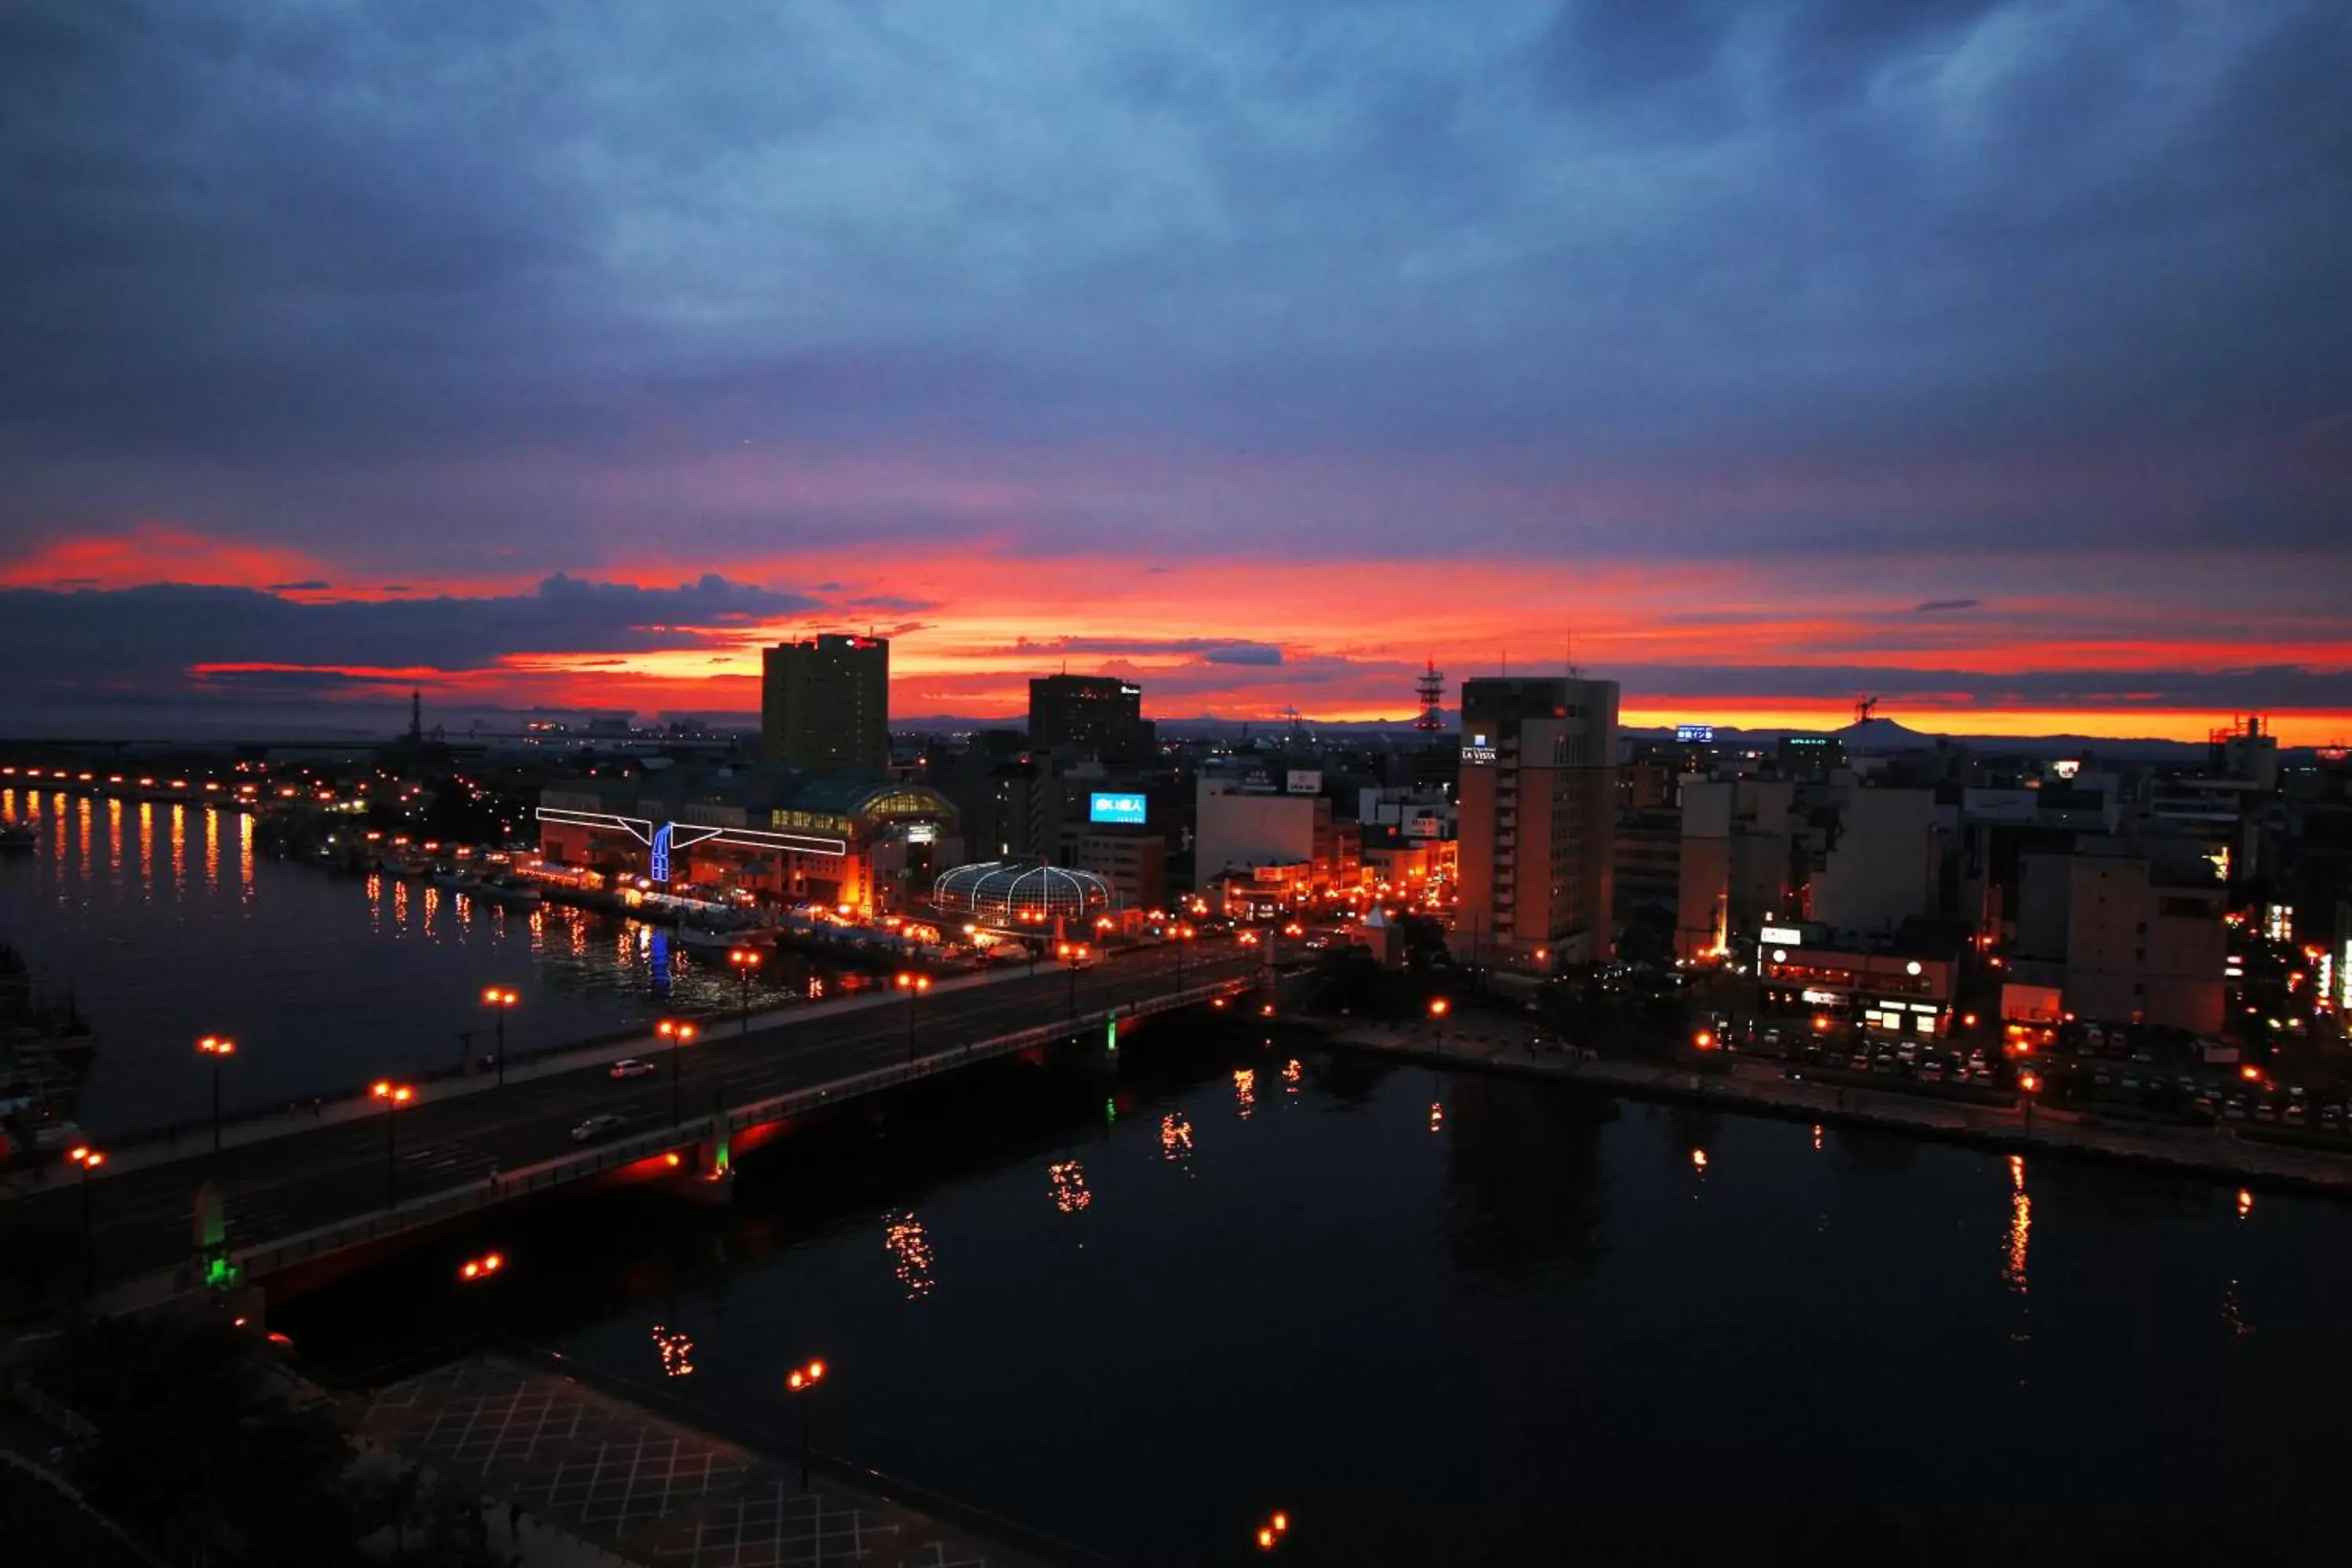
217 1047
90 1159
2028 1084
803 1381
677 1034
501 1000
914 986
476 1269
395 1096
745 960
1073 955
1183 933
1438 1007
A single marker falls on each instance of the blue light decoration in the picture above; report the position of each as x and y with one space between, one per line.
660 868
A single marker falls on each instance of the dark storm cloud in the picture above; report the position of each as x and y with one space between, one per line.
149 639
454 281
1943 606
1212 650
2250 688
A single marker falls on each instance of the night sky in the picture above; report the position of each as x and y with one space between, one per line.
1995 359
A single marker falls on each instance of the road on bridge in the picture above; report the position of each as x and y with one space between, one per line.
142 1221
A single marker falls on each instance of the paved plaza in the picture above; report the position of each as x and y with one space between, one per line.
650 1491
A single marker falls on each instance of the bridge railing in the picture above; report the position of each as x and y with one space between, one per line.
264 1258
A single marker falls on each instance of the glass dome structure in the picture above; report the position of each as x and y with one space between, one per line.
1016 892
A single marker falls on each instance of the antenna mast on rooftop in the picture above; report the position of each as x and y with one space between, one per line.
1429 689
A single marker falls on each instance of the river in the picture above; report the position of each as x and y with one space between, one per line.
164 924
1442 1318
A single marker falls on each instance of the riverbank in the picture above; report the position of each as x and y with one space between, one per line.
1764 1088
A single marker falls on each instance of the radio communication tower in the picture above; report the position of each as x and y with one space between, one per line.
1429 688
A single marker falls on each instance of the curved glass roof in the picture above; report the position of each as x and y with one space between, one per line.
1016 887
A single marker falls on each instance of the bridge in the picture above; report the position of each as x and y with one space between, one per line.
293 1196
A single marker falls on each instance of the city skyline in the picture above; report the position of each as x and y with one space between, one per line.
1980 357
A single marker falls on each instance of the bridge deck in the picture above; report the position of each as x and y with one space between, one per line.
306 1185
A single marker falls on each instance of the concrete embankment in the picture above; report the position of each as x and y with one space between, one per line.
1764 1088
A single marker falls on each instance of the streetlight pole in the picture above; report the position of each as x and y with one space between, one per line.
217 1047
677 1034
499 1001
2028 1085
90 1159
745 960
803 1381
395 1096
914 986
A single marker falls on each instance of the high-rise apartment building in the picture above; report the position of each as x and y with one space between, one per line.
825 705
1537 819
1091 715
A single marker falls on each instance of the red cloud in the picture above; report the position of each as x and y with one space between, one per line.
164 553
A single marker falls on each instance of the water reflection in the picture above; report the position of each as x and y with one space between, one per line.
1176 1138
1524 1176
674 1348
1067 1182
911 1249
2020 1226
1245 1091
333 979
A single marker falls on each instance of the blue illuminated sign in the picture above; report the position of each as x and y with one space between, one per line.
1689 734
1115 808
659 870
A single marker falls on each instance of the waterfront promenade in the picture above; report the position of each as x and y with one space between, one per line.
589 1465
1765 1088
283 1177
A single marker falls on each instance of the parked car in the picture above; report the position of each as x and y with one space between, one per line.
598 1127
631 1067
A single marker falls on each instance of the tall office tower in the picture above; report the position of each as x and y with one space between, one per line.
1092 715
1537 820
825 705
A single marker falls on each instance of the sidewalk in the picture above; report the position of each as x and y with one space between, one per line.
1764 1087
620 1482
137 1153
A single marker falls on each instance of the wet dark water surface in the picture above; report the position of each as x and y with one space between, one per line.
165 924
1458 1319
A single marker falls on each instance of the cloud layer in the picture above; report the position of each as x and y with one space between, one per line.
1959 341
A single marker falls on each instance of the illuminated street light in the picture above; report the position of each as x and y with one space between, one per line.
914 986
479 1268
746 962
90 1159
217 1047
2028 1085
500 1000
803 1381
395 1096
677 1034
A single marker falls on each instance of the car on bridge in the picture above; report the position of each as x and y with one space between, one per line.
633 1066
598 1127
